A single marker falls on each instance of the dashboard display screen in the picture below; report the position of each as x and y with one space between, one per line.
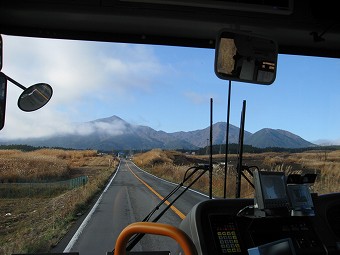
270 190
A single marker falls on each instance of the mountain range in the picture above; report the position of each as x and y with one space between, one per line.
114 133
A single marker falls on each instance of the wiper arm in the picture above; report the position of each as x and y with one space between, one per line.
171 193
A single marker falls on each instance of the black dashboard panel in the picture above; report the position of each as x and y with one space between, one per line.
327 208
216 227
301 27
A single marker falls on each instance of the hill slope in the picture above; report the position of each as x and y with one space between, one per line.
267 137
114 133
200 137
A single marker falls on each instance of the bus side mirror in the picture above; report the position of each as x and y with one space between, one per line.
245 58
3 94
3 91
0 53
31 99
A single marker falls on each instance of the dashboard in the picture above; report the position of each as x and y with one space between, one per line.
217 227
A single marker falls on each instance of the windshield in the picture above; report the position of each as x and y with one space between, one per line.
149 105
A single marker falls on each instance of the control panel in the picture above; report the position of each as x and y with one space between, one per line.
226 236
221 230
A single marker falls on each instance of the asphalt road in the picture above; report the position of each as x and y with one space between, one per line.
129 197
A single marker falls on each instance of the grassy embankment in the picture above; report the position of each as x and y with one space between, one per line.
171 165
36 223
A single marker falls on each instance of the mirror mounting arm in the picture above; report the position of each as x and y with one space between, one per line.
33 97
15 82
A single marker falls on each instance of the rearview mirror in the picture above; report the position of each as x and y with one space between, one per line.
245 58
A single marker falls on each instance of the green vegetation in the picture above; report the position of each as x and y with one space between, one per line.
41 188
24 147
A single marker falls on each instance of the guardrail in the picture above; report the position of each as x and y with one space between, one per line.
40 189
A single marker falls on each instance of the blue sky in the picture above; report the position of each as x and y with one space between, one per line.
166 88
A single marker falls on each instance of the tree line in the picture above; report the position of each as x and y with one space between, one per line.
234 149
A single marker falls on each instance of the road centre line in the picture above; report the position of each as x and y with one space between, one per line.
172 183
173 208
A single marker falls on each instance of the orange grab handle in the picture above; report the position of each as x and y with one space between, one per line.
157 229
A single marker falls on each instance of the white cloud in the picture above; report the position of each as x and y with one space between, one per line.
112 129
78 72
43 122
46 122
327 142
198 98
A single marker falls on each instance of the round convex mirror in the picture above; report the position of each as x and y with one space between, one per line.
35 97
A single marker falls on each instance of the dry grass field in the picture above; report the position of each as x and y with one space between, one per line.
172 165
34 224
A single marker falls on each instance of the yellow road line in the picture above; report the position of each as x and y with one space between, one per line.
178 212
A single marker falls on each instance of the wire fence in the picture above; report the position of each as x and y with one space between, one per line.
40 189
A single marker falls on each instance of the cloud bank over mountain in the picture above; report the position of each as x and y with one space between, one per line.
114 133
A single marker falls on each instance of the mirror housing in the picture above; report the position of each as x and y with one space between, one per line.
3 95
1 52
244 57
35 97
